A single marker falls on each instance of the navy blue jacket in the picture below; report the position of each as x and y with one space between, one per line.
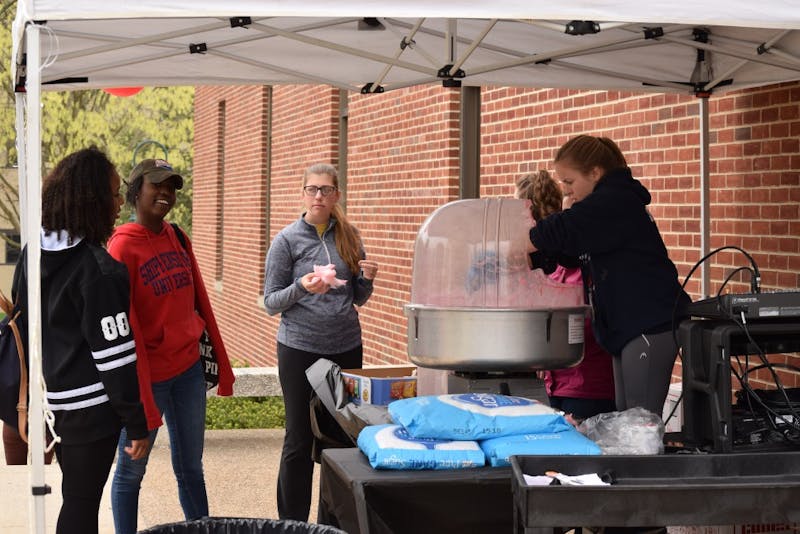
629 279
88 349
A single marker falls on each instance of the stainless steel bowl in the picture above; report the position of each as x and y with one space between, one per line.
489 339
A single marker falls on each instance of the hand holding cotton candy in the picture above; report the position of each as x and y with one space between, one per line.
327 273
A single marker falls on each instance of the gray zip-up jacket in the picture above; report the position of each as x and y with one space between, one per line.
320 324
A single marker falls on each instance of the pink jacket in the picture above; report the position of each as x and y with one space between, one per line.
593 378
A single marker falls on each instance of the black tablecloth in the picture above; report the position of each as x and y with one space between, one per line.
361 500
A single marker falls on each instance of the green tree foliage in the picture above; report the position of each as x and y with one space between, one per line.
9 200
7 148
153 121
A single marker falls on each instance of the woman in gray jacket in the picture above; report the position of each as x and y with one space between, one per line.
315 275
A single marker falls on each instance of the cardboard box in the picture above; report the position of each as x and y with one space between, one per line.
380 385
674 423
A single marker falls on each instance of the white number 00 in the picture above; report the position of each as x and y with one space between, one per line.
116 326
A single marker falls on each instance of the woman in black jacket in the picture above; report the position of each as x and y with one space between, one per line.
88 352
631 283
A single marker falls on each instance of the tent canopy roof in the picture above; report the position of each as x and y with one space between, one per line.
375 46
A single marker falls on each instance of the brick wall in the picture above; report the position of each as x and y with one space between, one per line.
403 163
755 169
231 171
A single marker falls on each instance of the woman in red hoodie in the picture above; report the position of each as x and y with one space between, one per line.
169 311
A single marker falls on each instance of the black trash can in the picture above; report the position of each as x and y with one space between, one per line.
241 525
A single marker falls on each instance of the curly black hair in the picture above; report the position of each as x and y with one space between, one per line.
77 196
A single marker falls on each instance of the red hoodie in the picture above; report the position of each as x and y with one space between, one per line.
169 309
593 378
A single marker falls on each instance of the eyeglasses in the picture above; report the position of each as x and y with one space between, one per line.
312 190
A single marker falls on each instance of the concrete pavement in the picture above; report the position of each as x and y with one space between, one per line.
241 468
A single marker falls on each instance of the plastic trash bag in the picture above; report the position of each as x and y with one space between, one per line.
335 421
635 431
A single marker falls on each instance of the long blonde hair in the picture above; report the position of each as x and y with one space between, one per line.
543 192
345 235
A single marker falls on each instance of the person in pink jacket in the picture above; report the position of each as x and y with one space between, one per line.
586 389
169 311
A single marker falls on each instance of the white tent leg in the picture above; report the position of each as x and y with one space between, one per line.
22 185
705 215
33 217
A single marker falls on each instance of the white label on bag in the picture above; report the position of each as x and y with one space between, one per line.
575 329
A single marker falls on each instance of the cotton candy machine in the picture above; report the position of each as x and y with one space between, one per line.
477 308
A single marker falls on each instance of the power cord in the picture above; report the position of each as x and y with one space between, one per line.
755 287
752 395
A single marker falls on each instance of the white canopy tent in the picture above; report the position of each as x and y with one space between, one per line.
655 45
591 44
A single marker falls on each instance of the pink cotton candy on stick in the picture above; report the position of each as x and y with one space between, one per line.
327 273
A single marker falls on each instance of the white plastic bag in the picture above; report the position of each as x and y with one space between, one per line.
635 431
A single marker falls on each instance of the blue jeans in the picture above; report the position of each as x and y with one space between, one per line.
182 402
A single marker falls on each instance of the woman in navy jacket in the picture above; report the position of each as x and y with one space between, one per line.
88 349
630 281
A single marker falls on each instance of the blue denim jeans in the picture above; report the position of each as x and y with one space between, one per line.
182 402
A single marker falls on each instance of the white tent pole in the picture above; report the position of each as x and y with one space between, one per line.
460 40
22 185
620 75
767 46
340 48
149 39
478 40
705 215
560 27
33 218
451 37
406 39
749 56
174 50
276 68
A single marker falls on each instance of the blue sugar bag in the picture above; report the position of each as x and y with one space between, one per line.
390 447
499 450
474 416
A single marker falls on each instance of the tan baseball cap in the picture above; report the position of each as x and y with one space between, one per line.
155 171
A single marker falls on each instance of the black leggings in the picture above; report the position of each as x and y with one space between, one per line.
643 371
297 467
84 471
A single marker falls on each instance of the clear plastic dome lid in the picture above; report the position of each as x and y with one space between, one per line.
474 253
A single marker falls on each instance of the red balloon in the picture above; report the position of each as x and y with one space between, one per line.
122 91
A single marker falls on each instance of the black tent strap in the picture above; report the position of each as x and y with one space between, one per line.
444 72
581 27
199 48
367 89
240 22
698 90
653 33
369 24
40 490
406 42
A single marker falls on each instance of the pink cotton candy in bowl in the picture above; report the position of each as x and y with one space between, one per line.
327 273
